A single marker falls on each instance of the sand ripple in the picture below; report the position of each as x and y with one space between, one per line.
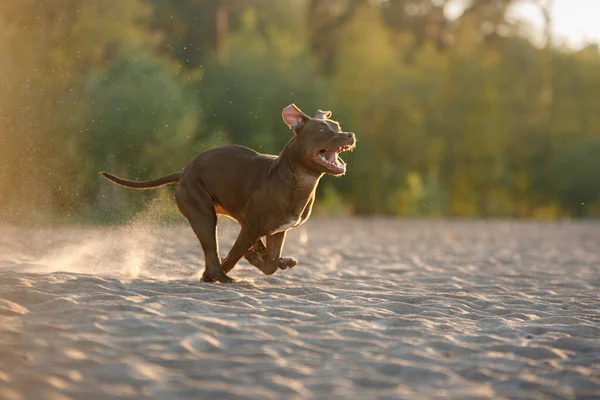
375 309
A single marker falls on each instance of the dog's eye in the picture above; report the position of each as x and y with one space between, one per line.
321 130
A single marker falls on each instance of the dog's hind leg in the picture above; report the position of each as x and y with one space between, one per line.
197 206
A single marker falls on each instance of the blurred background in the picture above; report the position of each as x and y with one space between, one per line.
462 108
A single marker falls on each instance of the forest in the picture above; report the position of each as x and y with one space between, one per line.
460 115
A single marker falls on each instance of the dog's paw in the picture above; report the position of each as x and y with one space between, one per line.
207 278
286 262
216 276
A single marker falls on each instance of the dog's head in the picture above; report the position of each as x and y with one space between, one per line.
318 141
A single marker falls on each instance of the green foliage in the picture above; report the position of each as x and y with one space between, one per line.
462 117
139 109
47 50
574 178
243 100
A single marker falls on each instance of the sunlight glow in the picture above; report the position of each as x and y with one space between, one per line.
574 21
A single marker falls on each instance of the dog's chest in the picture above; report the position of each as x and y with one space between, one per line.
303 194
292 222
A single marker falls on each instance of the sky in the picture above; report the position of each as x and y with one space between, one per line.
575 22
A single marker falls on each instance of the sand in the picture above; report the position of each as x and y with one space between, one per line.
375 309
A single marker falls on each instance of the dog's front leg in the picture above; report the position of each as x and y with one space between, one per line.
273 259
257 254
244 241
268 259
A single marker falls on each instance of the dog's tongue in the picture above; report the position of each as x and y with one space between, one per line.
331 156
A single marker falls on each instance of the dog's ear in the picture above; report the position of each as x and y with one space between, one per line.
293 117
323 114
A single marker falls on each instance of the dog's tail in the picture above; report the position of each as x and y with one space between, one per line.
154 183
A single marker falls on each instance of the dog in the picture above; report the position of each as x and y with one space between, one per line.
266 194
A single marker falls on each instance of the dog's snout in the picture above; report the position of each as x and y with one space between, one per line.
351 135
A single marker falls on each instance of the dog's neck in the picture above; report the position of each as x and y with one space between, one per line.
289 170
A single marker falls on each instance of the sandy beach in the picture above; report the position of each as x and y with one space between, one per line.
376 308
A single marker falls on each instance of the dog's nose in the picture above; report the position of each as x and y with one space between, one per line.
351 135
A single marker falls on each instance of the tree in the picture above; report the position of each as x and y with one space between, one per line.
46 51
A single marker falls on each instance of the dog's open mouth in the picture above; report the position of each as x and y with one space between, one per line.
329 158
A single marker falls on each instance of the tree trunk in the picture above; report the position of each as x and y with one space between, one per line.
221 30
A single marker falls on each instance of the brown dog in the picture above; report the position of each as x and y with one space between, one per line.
266 194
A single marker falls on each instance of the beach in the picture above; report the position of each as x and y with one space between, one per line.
375 308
